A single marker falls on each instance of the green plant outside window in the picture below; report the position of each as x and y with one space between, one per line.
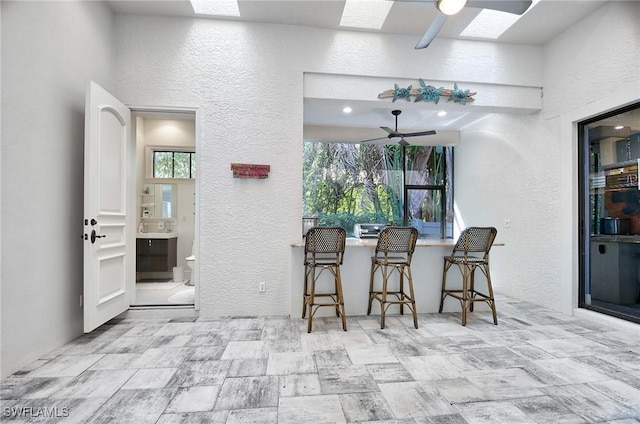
345 184
174 164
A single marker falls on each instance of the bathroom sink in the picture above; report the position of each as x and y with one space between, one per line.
156 235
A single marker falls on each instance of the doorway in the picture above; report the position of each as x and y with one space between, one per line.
166 199
610 213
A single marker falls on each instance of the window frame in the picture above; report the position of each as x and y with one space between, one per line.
192 160
442 187
585 223
443 204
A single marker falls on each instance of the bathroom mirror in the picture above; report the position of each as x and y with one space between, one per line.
166 203
163 201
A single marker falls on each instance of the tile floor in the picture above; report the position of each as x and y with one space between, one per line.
536 366
164 293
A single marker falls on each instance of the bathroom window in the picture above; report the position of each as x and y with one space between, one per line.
174 164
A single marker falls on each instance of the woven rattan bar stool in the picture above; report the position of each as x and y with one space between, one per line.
323 251
393 255
470 253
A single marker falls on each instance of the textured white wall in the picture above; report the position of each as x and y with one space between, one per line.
593 59
49 51
507 168
248 81
525 168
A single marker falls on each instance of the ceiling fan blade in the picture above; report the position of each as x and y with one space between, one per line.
517 7
417 134
432 31
403 142
391 132
373 139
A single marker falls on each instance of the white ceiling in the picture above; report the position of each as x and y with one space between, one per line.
548 19
538 26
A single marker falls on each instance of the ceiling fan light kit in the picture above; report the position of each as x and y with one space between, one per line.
450 7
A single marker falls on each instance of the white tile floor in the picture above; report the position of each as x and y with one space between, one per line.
536 366
164 293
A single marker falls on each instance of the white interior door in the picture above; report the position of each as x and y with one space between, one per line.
108 163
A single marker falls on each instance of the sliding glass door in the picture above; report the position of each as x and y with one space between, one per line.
610 213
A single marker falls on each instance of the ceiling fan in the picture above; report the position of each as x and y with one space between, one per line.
396 134
451 7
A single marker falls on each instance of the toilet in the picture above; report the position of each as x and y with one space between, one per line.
191 261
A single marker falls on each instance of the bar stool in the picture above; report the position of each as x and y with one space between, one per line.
471 252
323 250
393 254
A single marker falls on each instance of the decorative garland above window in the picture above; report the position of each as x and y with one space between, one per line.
429 93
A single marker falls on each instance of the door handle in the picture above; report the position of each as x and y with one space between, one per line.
95 236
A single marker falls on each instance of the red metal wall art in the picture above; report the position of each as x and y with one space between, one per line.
249 170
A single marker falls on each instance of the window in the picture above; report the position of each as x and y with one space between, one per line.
346 184
174 164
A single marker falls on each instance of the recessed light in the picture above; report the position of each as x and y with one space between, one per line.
442 113
347 109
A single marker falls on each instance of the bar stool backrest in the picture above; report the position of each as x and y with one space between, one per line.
397 240
475 240
325 243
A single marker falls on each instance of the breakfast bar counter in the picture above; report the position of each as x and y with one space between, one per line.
371 242
426 269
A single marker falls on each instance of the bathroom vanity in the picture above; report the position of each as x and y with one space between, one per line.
156 252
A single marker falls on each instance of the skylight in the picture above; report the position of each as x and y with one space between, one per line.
491 24
369 14
215 7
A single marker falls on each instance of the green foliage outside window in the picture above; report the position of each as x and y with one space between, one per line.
174 164
345 184
163 164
